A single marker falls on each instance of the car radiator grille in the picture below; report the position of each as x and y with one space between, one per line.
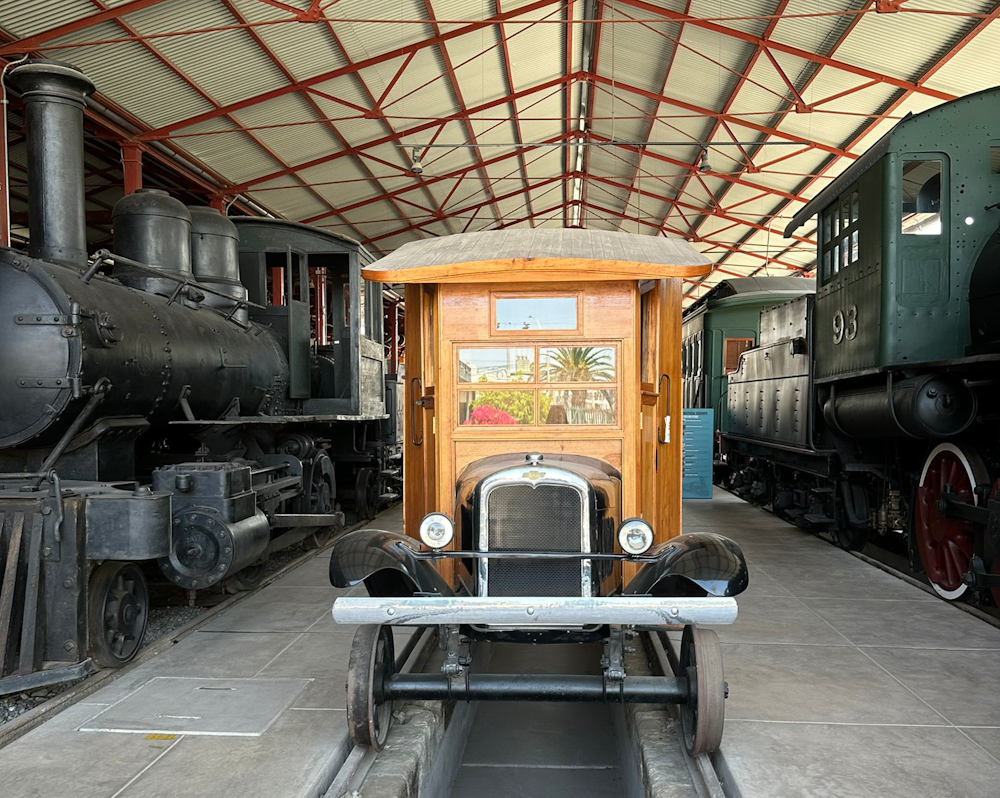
541 518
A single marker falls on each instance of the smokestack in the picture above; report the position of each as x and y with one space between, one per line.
53 94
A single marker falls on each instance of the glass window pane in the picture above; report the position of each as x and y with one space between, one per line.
836 259
496 365
854 247
827 224
845 212
576 364
581 406
496 408
921 201
536 313
854 206
995 159
826 266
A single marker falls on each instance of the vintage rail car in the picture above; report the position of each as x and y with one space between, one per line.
542 468
869 410
716 330
188 401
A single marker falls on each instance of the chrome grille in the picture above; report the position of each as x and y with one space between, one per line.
523 516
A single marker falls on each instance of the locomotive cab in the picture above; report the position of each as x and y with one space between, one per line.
542 468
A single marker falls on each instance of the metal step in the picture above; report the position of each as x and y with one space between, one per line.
816 518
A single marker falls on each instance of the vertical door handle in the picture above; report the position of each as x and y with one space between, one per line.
665 436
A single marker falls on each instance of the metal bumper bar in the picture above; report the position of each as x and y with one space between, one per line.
528 611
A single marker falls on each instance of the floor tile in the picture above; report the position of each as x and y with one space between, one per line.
917 623
961 685
778 620
859 581
285 761
837 684
797 760
291 609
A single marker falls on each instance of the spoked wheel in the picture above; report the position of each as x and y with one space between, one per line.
946 545
118 610
703 716
372 661
365 499
246 578
322 501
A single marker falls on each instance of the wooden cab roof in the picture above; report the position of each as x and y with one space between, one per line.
536 256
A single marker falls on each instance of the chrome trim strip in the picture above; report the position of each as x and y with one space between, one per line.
518 612
548 476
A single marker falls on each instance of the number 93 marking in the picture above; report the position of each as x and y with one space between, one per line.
845 326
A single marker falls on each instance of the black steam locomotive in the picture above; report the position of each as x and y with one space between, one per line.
208 392
870 410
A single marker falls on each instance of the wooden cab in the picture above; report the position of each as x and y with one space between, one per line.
560 342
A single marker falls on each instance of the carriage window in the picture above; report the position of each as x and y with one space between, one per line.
496 365
529 313
921 198
995 159
732 349
576 364
574 406
496 408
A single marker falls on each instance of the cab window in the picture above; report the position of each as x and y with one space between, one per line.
921 201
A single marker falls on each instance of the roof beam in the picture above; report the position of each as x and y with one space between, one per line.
33 42
781 47
971 34
398 136
348 69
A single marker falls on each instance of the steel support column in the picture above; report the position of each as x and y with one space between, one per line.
131 167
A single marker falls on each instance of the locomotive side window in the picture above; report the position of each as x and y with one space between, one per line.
732 349
995 159
839 234
921 198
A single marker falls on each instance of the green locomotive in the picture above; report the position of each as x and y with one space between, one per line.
874 413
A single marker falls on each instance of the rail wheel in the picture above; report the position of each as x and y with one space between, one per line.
372 661
946 545
322 500
704 715
118 610
246 578
365 498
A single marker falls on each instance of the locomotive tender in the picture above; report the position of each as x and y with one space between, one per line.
542 469
189 400
870 409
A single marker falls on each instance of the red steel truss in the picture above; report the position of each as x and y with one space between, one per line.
501 187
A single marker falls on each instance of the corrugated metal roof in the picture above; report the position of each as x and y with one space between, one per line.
219 69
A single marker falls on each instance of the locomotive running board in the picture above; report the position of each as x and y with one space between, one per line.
551 612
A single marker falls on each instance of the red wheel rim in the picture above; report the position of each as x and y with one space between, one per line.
945 545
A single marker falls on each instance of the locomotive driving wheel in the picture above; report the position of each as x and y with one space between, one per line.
322 500
366 494
946 545
372 661
118 604
704 714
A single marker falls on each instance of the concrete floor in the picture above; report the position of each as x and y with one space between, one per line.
251 704
845 681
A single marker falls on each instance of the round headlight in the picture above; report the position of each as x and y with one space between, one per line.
635 536
436 530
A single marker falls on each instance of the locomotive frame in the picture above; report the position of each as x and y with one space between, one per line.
542 464
157 415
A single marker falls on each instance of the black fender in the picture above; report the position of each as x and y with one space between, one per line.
386 562
696 564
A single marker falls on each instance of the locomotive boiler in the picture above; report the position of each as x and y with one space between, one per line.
180 406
